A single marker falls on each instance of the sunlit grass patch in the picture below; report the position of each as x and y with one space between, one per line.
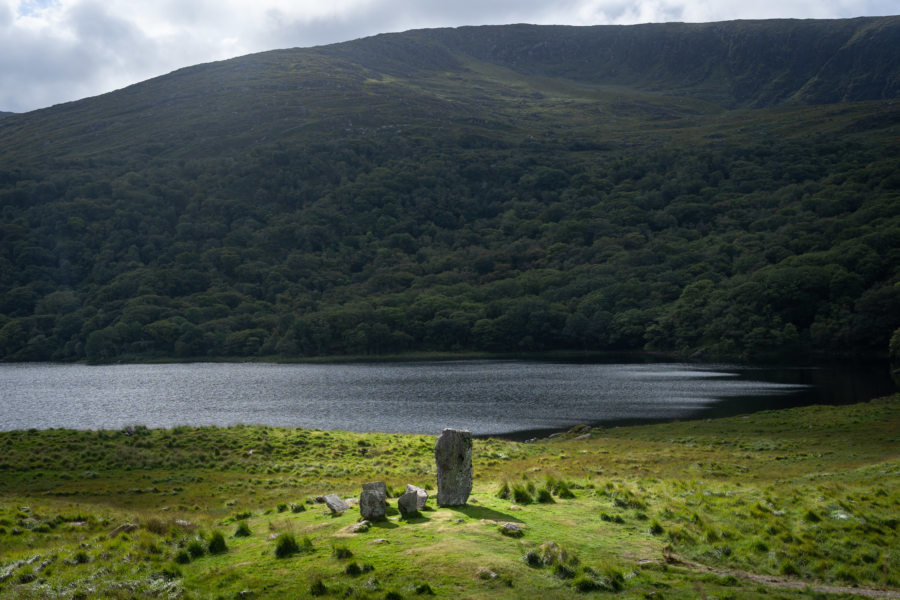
822 526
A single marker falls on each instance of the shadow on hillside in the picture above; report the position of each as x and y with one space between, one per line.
481 512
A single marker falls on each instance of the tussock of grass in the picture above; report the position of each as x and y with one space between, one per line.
286 545
196 549
504 493
317 587
341 552
243 530
424 589
521 495
217 543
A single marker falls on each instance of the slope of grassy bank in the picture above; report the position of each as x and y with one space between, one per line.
744 507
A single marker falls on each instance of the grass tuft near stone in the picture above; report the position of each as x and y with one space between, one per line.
521 494
544 496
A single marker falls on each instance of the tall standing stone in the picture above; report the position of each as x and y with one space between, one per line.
379 487
453 455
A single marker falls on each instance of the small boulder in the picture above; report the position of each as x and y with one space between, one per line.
361 527
335 504
412 501
511 530
406 504
421 495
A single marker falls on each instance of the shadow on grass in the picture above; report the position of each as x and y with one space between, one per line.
482 512
384 524
415 518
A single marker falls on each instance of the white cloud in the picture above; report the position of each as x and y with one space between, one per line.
54 51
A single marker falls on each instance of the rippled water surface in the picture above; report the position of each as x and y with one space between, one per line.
486 397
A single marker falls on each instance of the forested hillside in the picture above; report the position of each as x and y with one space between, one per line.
731 189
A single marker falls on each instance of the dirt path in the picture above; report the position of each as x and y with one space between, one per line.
783 582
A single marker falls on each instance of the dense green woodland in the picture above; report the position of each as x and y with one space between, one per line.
683 228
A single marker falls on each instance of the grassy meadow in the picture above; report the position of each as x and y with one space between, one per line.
798 503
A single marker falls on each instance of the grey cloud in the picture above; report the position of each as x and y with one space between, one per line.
6 16
883 8
35 69
110 42
102 52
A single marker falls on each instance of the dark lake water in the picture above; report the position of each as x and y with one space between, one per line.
486 397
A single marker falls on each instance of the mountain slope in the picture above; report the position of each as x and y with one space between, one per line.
731 64
739 63
519 188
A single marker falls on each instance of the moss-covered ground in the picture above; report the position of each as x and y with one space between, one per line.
799 503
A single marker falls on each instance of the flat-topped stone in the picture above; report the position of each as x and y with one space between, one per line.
373 501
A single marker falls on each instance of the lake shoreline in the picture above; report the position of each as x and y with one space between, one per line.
565 356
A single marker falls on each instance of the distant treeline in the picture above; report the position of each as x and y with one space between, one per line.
760 251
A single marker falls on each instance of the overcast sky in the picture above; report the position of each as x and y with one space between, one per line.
54 51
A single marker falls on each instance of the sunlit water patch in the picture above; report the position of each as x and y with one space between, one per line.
486 397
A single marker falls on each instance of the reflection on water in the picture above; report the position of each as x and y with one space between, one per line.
424 397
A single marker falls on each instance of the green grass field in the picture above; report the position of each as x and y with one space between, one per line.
799 503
